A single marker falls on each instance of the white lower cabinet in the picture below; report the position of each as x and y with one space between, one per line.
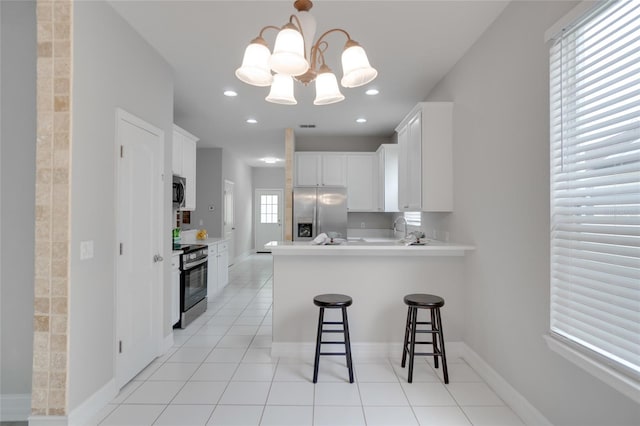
217 268
175 289
212 271
223 264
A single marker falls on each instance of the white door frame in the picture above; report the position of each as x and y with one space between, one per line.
256 213
158 294
229 233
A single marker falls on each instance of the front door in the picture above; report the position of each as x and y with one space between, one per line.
268 217
139 244
229 218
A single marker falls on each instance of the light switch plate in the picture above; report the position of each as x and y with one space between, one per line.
86 250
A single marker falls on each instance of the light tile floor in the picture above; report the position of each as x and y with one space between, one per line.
220 372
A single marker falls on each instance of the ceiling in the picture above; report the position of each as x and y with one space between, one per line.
412 44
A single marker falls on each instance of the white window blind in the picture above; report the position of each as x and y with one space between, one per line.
413 218
595 185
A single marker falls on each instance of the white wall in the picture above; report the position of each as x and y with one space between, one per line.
268 177
240 174
208 192
343 143
17 189
113 67
501 151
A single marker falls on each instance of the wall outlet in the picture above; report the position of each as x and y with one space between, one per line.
86 250
212 207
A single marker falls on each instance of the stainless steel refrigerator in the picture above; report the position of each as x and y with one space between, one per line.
318 210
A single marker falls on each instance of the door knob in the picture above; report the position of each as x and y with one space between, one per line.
157 258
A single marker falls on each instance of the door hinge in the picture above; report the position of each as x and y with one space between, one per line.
119 346
121 249
121 151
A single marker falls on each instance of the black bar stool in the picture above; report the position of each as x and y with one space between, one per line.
333 301
433 303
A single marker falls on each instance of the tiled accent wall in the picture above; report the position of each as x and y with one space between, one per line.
289 148
53 158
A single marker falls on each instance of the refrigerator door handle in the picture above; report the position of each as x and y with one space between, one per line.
314 230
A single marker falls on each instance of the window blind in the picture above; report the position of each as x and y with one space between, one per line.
595 185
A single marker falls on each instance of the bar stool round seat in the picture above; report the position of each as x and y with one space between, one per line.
432 303
333 301
427 301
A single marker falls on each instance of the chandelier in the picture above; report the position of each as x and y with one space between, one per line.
295 56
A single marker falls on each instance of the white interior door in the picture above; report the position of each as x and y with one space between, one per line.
268 208
139 244
229 223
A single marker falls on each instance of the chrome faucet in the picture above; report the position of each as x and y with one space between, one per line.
405 225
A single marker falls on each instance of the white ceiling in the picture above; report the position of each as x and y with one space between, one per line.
412 44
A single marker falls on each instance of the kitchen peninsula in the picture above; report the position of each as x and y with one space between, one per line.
377 275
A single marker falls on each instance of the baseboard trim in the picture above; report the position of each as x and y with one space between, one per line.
306 350
48 421
518 403
167 343
15 407
84 412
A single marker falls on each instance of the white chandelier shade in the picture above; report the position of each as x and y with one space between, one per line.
255 65
327 90
295 55
281 90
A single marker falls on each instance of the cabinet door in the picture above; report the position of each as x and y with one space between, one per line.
334 170
362 182
388 178
189 170
413 201
307 169
212 271
403 168
175 290
223 265
176 162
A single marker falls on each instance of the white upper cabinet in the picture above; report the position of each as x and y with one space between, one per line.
387 178
425 162
319 169
362 182
184 163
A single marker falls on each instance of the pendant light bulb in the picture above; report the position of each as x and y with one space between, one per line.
255 64
327 90
356 67
288 52
281 90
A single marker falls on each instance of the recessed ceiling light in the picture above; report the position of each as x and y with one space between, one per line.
361 120
230 93
252 121
372 92
270 160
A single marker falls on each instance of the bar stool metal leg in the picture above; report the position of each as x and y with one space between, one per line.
412 347
445 371
434 326
318 344
347 343
406 339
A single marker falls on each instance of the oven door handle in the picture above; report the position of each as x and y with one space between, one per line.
188 266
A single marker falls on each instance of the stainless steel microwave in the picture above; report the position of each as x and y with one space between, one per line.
179 184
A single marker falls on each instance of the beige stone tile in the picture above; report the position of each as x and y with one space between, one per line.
45 122
59 287
58 343
61 141
57 380
42 267
61 158
44 11
61 86
59 324
62 49
43 194
60 195
41 305
43 175
59 305
45 49
41 342
58 361
60 103
44 67
43 212
61 67
40 361
38 411
42 288
62 11
59 268
40 380
41 323
57 399
61 175
62 31
61 122
56 411
43 231
61 210
45 31
38 399
45 101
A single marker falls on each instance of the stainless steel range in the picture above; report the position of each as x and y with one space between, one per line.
193 282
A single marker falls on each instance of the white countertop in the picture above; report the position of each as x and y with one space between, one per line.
368 247
209 240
